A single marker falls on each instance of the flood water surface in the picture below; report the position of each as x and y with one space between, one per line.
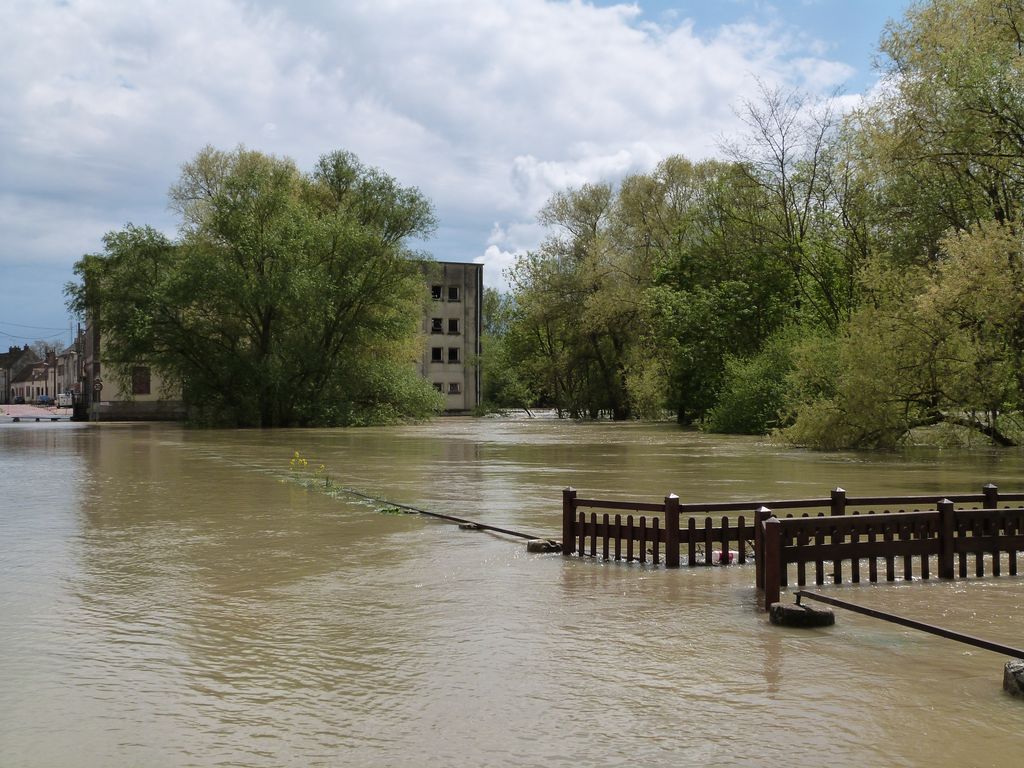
188 598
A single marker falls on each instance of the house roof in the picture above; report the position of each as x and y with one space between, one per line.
13 355
33 372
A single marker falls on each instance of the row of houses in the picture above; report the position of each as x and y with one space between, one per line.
452 325
24 377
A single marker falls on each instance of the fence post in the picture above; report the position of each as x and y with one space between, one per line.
568 520
671 531
772 561
760 515
946 527
991 496
838 501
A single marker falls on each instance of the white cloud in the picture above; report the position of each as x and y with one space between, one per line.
497 262
488 106
534 181
503 246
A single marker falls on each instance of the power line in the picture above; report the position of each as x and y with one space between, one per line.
61 336
32 327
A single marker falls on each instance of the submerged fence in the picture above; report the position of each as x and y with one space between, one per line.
660 535
858 536
900 542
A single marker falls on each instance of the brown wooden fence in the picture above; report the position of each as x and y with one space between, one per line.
847 538
659 532
635 538
900 541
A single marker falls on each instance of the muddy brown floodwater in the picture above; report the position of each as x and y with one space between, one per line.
175 598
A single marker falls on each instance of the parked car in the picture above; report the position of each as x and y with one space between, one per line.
44 400
19 400
65 400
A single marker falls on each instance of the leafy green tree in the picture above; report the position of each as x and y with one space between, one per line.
933 345
942 144
577 306
793 153
939 335
755 393
288 298
504 385
718 286
842 280
640 293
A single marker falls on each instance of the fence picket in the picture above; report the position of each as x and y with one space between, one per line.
819 563
923 535
977 531
801 566
890 567
1012 529
855 561
906 533
873 560
837 562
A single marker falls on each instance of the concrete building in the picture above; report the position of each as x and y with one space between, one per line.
452 326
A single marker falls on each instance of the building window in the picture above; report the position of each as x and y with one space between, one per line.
435 292
435 355
453 325
453 354
436 325
438 386
454 388
140 380
453 293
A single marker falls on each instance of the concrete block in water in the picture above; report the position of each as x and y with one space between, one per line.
791 615
1013 677
543 545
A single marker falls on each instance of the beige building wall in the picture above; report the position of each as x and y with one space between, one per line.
105 399
145 399
452 328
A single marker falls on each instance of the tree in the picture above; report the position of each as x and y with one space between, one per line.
641 291
942 144
503 382
939 336
42 348
792 152
933 345
720 287
576 306
287 299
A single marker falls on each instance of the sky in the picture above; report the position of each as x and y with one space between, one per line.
487 106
